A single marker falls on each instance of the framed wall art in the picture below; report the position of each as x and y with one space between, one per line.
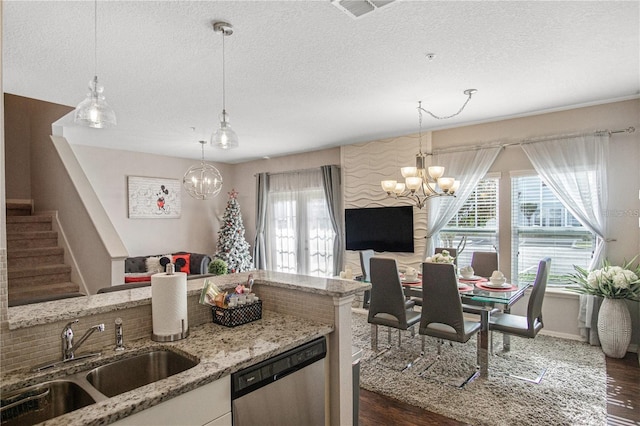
154 198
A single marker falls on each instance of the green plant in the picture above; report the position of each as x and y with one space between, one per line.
613 282
218 267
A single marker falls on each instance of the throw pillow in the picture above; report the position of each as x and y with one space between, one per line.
137 277
153 265
182 262
164 260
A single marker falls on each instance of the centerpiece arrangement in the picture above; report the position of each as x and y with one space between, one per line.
615 284
444 257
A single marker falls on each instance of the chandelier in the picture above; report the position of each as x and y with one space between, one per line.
423 182
224 137
202 180
94 110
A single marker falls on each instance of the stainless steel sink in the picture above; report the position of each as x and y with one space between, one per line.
37 403
124 375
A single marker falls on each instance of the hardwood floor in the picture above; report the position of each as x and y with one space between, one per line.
623 401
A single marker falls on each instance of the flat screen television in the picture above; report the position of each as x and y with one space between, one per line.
380 228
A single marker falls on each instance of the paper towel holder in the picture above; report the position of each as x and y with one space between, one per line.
171 337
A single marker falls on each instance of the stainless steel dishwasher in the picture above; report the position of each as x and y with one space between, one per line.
287 389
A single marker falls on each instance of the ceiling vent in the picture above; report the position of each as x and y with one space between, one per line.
358 8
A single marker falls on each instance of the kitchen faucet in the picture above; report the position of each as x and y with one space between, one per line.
68 346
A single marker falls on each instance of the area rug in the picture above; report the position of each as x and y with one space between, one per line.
573 391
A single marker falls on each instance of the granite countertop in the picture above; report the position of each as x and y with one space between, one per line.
221 351
57 310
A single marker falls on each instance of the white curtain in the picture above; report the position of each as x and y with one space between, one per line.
574 169
299 233
469 167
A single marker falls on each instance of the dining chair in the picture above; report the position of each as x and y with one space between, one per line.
388 306
525 326
484 263
365 266
442 315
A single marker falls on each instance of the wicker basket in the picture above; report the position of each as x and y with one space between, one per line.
238 315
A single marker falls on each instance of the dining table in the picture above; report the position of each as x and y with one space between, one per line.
480 293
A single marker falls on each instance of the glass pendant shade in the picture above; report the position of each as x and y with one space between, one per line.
94 110
456 185
409 171
436 172
413 183
224 137
202 180
388 185
446 183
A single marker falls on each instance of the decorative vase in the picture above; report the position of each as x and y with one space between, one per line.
614 327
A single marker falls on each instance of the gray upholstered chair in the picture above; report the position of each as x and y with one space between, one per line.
365 266
442 316
525 326
388 306
484 263
452 252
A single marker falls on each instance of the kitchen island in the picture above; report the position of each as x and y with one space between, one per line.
296 309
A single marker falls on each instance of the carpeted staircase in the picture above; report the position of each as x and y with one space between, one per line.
36 268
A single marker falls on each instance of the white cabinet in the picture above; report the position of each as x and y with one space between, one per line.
208 405
224 420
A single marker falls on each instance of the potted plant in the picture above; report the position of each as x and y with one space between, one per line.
614 284
218 267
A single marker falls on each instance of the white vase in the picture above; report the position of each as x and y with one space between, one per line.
614 327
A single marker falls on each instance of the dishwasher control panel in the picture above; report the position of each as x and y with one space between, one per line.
265 372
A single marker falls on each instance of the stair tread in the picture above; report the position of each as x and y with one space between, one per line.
37 270
37 251
44 289
21 235
28 219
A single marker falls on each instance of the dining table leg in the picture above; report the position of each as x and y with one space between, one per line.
506 337
483 344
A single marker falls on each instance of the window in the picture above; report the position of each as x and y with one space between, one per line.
542 226
476 222
299 232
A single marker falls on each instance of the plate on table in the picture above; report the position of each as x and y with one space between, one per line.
411 281
471 278
490 284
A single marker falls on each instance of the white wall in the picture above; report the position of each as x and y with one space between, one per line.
195 231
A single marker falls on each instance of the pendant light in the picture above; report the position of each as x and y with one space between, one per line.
94 110
203 180
224 137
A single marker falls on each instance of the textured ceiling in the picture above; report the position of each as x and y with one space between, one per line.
303 75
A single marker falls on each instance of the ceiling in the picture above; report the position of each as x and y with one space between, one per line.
304 75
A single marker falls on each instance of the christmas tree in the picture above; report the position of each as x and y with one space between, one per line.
232 246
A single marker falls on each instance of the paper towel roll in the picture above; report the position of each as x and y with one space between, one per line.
169 306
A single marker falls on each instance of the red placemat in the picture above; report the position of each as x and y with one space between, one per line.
465 287
411 283
484 287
